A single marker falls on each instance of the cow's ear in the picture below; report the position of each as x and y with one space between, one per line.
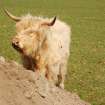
15 18
50 23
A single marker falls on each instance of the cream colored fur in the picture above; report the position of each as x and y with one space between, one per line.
45 48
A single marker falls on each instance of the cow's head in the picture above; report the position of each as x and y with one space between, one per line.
31 33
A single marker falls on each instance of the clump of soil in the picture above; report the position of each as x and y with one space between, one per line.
19 87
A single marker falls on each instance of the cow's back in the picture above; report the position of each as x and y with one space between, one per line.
59 41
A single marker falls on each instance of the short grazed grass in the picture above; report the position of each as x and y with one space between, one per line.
86 67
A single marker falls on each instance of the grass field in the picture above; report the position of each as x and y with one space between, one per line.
86 68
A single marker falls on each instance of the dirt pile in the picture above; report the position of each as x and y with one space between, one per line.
19 87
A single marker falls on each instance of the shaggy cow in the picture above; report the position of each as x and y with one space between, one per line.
44 45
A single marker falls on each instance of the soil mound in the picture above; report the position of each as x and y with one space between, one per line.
19 87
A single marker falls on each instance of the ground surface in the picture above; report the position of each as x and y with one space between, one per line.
18 87
86 69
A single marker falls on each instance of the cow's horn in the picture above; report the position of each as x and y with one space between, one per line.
51 23
15 18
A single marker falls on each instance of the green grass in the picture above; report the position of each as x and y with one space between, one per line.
86 68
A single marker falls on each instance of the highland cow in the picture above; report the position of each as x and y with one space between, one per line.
44 45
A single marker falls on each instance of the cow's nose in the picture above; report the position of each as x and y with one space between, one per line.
15 42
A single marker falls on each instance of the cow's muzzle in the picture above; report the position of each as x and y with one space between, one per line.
15 45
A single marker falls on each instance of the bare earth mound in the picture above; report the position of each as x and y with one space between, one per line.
19 87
